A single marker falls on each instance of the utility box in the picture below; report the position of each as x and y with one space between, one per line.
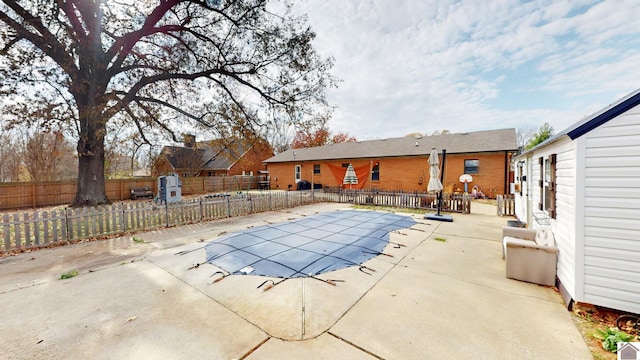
169 189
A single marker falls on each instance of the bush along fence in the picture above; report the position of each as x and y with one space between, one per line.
48 227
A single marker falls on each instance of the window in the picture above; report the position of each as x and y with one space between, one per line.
541 183
472 166
550 187
547 184
298 173
375 172
316 169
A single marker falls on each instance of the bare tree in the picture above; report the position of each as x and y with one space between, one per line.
158 66
48 156
11 162
280 137
415 135
523 136
441 132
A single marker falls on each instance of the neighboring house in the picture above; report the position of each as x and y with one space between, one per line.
585 184
401 163
221 157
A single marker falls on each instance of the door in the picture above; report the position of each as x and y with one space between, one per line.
298 173
528 188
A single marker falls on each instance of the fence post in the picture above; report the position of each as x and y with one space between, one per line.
166 212
229 206
7 234
270 204
68 223
27 230
122 217
65 226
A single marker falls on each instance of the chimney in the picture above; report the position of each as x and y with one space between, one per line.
189 140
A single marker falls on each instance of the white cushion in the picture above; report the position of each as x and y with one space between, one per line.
544 237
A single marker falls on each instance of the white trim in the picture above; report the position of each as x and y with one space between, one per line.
580 150
297 173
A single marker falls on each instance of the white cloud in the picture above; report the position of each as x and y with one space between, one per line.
420 66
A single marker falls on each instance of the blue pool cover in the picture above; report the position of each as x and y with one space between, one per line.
306 247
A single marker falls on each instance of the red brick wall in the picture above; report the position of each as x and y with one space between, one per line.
252 160
161 167
402 173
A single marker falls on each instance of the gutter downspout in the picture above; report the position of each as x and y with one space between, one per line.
507 166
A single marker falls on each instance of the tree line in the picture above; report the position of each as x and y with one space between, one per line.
37 155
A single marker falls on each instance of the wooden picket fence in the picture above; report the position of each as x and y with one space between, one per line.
413 200
34 195
506 205
46 227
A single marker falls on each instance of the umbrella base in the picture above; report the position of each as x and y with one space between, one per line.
439 217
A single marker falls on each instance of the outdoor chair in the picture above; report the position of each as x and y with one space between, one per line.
531 255
477 194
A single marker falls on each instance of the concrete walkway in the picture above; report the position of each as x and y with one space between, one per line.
442 295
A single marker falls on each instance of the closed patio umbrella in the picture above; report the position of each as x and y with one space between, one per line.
434 172
435 183
350 176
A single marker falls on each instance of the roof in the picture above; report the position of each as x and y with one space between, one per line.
221 155
594 120
217 154
471 142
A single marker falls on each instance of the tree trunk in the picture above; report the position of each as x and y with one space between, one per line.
90 190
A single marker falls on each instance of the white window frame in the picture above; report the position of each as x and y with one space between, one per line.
297 173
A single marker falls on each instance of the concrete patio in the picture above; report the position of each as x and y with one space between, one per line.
442 295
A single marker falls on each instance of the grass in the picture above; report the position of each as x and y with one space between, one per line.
136 239
68 275
593 322
440 239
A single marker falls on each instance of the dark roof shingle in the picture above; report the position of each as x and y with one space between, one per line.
471 142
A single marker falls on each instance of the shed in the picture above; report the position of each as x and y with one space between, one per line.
584 183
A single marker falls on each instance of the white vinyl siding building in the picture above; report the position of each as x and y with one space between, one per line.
611 228
591 172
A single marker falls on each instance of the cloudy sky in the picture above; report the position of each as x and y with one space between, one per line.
426 65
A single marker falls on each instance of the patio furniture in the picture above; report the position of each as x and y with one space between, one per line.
518 233
531 255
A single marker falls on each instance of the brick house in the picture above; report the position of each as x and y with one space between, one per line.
220 157
401 163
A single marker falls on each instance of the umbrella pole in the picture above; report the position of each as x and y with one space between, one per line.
444 159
